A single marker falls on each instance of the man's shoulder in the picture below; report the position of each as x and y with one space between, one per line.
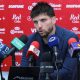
31 36
65 33
34 36
69 33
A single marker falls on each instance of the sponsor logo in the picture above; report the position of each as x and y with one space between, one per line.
31 6
2 18
73 6
16 30
2 30
22 78
16 6
33 30
17 63
56 6
16 18
28 18
1 7
4 65
75 18
52 39
1 40
59 18
18 53
1 46
75 30
36 51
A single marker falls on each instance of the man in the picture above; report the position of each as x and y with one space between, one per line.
44 20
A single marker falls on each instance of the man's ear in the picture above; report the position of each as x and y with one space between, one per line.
54 19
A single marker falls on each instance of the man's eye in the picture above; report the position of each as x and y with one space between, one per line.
35 22
43 20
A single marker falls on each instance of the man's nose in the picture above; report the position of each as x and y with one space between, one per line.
39 24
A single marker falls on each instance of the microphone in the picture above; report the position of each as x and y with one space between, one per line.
53 42
17 44
3 50
46 66
74 47
33 51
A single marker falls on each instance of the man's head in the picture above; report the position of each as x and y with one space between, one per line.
42 7
44 19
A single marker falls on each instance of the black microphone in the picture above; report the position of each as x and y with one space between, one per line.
17 44
46 66
74 47
3 51
53 42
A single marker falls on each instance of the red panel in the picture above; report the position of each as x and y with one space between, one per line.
15 19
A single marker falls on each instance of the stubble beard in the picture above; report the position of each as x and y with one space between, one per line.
47 33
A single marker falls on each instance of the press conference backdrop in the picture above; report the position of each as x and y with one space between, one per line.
15 21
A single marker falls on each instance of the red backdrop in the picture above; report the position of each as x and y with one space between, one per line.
15 20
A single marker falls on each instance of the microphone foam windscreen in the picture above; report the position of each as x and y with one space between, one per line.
71 40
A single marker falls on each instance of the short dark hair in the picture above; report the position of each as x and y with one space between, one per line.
42 7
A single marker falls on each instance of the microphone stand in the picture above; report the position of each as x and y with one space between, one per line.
31 61
2 78
45 70
78 65
56 64
56 61
46 66
13 59
13 55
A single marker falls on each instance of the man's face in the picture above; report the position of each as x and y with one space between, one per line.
44 24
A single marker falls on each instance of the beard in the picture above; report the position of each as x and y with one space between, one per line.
47 33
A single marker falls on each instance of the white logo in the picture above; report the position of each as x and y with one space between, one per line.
2 18
16 30
29 18
1 40
1 7
75 30
16 6
2 30
56 6
1 45
4 65
17 63
31 6
36 51
59 18
75 18
18 53
73 6
33 30
16 18
52 39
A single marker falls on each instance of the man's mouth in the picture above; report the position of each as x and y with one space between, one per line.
40 32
